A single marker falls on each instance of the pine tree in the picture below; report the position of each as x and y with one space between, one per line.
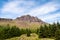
58 25
46 31
41 32
14 31
28 32
57 34
50 30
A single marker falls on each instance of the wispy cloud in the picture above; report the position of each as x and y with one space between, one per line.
39 8
44 9
51 17
44 12
17 7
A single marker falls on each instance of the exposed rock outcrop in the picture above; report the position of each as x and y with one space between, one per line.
29 18
24 18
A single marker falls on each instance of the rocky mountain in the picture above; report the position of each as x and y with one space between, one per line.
24 18
28 18
25 21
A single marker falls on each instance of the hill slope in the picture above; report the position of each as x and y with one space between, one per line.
25 21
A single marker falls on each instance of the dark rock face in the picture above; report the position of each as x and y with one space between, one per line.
4 19
29 18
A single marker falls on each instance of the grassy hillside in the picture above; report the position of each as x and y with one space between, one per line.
32 37
21 24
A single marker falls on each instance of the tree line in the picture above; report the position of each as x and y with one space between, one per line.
45 31
49 31
12 31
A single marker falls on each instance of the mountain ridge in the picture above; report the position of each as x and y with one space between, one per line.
25 18
29 18
25 21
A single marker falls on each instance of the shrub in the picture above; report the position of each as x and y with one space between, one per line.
7 32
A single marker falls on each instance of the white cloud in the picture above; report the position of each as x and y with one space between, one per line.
51 17
17 6
44 9
21 6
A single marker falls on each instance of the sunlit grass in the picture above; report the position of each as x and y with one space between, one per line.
32 37
24 25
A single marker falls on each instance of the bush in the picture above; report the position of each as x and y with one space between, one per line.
7 32
14 31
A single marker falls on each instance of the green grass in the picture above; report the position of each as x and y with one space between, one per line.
46 39
32 37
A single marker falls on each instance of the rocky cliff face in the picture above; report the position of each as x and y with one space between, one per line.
29 18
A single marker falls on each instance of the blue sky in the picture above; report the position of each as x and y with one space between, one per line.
46 10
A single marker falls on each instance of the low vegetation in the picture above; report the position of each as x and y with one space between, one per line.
45 31
33 36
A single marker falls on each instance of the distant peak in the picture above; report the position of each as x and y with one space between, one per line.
24 18
29 18
27 15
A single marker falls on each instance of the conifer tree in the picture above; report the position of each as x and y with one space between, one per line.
28 32
41 32
46 30
57 34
